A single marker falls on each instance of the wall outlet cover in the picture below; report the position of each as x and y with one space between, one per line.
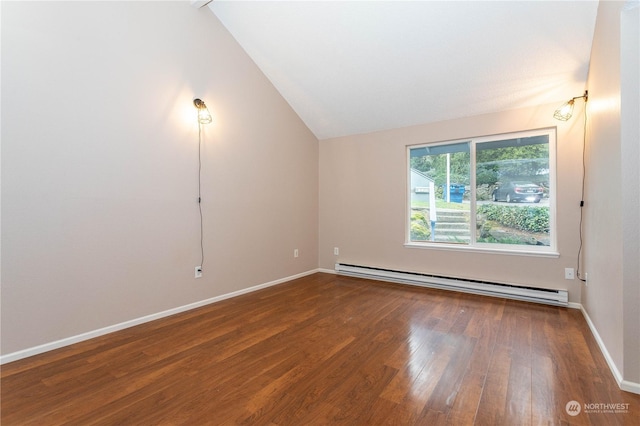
569 274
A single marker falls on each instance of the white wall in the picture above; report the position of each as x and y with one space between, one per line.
630 147
611 202
99 167
363 201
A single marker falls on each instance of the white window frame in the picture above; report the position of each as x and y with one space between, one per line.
473 245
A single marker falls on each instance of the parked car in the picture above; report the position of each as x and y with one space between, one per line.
518 191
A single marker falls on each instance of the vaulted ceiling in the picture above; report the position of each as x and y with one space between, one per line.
349 67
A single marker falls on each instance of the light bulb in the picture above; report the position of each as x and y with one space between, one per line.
204 117
565 111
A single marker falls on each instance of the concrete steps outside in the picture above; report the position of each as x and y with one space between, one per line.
452 226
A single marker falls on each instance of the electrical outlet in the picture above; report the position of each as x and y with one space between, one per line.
295 253
569 274
198 272
336 251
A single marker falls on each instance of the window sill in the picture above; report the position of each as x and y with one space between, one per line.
487 250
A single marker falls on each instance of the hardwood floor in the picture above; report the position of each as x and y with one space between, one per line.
328 350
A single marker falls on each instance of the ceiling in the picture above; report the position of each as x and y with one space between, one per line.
349 67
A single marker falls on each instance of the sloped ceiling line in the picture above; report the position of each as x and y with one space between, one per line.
357 67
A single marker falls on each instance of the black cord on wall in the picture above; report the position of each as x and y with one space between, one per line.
204 117
200 194
584 143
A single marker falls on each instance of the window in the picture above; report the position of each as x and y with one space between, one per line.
495 193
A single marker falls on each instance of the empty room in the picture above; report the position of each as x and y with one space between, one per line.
320 212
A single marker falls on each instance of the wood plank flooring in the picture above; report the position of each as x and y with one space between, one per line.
328 350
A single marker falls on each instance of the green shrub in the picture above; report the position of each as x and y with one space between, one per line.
419 232
484 192
502 240
420 228
530 219
418 216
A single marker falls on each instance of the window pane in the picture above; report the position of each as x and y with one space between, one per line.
438 214
512 191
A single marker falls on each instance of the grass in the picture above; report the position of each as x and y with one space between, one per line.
440 204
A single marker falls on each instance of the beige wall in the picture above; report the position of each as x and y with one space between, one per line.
630 151
99 167
363 201
611 297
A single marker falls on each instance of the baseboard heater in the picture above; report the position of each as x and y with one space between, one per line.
508 291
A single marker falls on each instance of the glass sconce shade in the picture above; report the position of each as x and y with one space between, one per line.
204 117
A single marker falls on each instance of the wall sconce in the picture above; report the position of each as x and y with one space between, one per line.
204 117
566 110
563 114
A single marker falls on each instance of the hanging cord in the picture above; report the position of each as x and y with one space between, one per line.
584 143
200 194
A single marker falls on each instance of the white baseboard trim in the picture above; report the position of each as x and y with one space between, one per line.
603 348
25 353
628 386
327 271
625 385
574 305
